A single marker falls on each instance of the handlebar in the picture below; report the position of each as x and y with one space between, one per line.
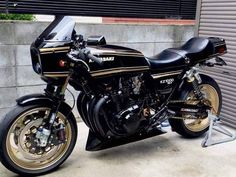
95 59
85 54
91 56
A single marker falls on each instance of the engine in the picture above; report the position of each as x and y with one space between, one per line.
126 109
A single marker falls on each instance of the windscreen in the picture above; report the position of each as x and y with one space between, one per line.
60 30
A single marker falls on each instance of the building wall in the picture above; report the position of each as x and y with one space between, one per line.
79 19
18 78
116 20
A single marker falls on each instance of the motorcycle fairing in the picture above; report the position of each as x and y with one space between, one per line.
59 32
95 144
51 46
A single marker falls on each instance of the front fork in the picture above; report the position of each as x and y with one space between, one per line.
58 96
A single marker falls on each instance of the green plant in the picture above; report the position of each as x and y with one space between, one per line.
16 17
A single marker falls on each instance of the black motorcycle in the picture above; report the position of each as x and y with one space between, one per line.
123 96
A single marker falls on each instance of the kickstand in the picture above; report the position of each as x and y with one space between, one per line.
216 125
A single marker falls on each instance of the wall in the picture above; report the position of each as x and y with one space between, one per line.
18 78
79 19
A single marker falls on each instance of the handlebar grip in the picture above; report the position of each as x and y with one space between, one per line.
95 59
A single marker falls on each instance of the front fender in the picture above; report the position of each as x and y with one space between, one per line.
34 99
40 99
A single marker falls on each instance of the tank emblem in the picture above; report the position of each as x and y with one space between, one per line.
104 59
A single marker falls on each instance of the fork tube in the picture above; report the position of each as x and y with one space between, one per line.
64 87
58 99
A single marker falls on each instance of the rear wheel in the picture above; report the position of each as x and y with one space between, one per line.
19 150
191 128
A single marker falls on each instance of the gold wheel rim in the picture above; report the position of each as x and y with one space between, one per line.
210 94
21 156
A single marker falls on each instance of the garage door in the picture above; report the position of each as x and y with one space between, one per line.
184 9
218 18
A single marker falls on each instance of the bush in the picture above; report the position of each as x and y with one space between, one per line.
16 17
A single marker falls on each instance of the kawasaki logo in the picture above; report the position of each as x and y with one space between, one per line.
105 59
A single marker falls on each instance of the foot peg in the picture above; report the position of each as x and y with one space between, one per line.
215 126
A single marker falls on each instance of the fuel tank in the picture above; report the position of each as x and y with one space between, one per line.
116 60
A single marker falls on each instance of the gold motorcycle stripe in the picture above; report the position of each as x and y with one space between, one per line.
118 70
160 75
55 74
62 51
52 50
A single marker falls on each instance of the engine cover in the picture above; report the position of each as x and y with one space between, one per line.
129 119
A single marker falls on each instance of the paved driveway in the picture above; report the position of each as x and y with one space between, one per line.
167 155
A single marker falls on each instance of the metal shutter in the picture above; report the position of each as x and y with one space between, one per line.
187 8
218 18
107 8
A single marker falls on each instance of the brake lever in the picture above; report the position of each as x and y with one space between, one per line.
77 61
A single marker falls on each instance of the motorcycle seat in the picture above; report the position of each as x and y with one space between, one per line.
192 52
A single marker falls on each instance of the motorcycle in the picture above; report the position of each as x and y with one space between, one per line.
123 96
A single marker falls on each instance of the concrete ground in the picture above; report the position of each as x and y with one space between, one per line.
167 155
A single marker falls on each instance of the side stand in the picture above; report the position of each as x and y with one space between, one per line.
216 126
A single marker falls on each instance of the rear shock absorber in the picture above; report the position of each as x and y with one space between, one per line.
194 78
197 90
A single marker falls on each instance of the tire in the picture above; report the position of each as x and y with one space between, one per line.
180 126
60 152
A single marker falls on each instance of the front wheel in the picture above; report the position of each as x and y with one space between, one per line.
19 150
197 127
